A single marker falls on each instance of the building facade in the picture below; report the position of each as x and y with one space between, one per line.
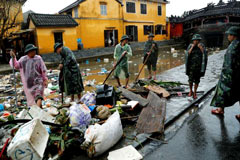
49 29
101 23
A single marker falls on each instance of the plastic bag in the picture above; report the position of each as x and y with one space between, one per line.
89 98
99 138
80 116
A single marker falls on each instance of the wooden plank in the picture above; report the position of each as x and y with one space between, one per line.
134 97
152 117
159 90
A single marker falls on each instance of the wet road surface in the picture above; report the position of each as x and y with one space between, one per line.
204 137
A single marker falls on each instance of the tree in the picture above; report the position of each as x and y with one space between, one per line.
9 12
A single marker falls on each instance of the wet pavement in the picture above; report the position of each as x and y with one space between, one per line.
198 134
204 136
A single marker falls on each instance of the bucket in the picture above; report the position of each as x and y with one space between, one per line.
29 142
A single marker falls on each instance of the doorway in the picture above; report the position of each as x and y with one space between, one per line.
110 38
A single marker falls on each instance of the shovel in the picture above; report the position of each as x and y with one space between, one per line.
61 84
144 63
14 81
114 67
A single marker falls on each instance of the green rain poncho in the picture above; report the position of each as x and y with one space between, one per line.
227 91
71 73
196 63
124 63
154 54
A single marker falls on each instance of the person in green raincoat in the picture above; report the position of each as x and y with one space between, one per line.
122 49
196 63
151 48
72 78
228 87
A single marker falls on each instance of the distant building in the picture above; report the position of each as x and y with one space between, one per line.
211 22
176 27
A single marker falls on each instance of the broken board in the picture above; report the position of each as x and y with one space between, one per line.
152 117
159 90
134 97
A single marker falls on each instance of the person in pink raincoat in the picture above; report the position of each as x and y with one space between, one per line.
33 74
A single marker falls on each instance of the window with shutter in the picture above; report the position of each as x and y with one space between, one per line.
130 6
143 8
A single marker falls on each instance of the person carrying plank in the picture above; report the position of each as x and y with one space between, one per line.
150 47
228 87
33 74
196 63
122 49
72 77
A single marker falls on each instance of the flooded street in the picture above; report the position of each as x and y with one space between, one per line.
166 61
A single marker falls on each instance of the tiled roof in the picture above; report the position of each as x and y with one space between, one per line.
76 3
50 20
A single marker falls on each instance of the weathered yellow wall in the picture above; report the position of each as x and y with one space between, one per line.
45 37
139 20
92 24
92 31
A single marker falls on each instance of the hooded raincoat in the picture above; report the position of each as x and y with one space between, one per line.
228 87
196 63
33 74
124 63
73 83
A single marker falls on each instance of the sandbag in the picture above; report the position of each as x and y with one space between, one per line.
99 138
103 112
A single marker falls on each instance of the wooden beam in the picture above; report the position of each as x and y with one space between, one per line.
134 97
152 117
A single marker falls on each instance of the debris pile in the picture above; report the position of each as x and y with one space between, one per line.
62 128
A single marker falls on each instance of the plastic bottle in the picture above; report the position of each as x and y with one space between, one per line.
2 107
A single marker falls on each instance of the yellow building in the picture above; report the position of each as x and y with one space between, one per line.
49 29
101 23
142 17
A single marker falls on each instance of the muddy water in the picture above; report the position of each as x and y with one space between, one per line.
166 61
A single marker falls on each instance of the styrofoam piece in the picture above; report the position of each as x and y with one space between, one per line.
126 153
106 60
22 114
37 112
175 55
29 142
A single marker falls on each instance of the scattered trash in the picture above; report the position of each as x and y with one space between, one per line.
175 55
36 112
29 142
126 153
106 60
80 116
103 112
89 98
